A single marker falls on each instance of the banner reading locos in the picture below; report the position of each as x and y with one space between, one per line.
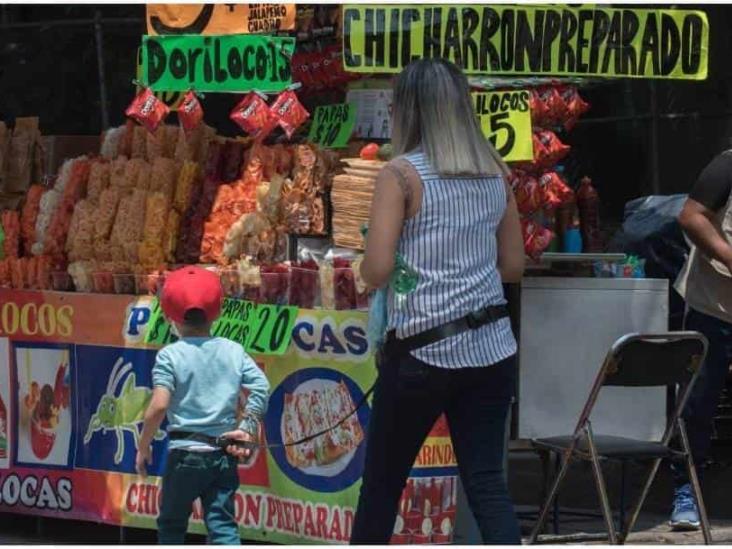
538 40
74 383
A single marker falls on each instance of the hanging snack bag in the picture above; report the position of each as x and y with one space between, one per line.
289 112
253 116
190 112
147 110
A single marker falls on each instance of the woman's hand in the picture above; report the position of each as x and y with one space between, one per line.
142 460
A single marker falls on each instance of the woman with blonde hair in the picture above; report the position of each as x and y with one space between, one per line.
444 205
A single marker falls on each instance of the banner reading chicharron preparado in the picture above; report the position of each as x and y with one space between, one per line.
75 376
536 40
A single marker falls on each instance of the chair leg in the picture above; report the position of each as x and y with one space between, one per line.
552 495
555 505
623 476
601 489
546 464
706 530
635 510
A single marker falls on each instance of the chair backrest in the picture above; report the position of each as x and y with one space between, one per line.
651 360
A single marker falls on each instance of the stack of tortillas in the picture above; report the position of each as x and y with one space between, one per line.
351 198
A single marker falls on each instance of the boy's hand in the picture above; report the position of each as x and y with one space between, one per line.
142 460
240 453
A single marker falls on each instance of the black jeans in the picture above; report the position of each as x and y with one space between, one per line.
409 397
702 404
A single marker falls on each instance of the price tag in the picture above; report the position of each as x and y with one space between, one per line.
235 321
260 329
159 331
332 125
272 329
505 118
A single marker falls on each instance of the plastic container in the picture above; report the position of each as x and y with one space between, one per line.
61 281
275 288
103 282
304 290
230 282
572 241
148 284
124 283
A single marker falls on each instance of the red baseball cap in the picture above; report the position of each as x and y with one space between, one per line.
189 288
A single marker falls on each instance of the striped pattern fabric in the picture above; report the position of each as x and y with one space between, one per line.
451 243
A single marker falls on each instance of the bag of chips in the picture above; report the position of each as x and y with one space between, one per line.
528 193
555 191
537 238
190 112
289 112
253 116
148 110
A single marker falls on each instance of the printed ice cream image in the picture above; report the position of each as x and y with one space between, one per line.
45 415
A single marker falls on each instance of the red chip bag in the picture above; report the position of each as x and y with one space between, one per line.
553 149
575 106
147 110
555 191
529 196
289 112
538 112
537 238
253 116
190 112
553 107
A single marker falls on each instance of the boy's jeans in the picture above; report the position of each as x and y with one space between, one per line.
213 477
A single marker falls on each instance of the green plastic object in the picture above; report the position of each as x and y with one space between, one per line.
403 279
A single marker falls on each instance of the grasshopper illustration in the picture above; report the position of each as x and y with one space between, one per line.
123 412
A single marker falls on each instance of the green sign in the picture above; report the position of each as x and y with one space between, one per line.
230 63
332 125
505 118
271 329
261 329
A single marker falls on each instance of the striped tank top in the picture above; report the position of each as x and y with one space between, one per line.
451 244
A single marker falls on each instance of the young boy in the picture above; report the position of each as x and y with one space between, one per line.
197 381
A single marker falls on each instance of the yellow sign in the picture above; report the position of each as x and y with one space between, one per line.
219 18
529 40
505 118
171 98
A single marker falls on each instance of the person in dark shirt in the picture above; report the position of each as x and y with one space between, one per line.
706 285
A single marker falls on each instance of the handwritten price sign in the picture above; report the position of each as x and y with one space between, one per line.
332 125
505 118
259 328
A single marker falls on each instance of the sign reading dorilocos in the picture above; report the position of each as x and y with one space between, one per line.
538 40
505 118
228 63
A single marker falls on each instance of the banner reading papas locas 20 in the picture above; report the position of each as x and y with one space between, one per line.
536 40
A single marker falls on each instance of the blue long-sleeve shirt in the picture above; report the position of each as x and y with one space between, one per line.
204 376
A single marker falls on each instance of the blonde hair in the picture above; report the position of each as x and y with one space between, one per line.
432 109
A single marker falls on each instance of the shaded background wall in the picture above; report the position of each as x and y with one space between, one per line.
52 72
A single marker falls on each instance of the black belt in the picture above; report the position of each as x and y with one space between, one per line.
472 321
218 442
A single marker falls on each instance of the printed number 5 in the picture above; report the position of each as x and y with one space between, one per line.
497 124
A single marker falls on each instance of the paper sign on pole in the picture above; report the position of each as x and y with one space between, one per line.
332 125
505 118
219 18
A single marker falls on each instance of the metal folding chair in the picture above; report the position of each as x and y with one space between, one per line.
637 360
